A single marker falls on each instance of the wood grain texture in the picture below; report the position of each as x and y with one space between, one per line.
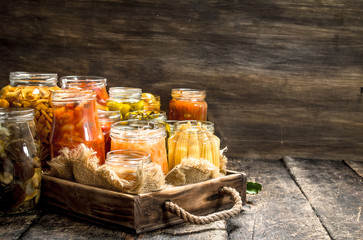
13 227
199 199
279 211
142 212
282 77
216 230
89 201
334 191
54 225
356 166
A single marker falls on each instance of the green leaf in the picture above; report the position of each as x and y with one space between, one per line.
253 187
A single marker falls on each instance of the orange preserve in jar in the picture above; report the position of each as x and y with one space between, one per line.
127 162
106 119
188 104
142 135
98 84
32 90
76 121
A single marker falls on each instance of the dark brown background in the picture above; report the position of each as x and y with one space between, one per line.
282 77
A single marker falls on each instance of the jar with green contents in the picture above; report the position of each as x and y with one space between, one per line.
125 100
157 116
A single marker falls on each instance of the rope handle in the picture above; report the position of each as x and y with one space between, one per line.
200 220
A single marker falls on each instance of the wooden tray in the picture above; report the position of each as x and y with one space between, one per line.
142 212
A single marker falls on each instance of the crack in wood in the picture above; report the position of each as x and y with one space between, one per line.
284 161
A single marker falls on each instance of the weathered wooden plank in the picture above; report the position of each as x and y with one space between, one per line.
280 211
356 166
216 230
282 67
12 227
58 226
334 191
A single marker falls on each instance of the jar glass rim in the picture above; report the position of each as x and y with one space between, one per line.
32 78
195 126
111 116
72 95
134 129
16 114
125 92
188 93
128 155
79 81
144 114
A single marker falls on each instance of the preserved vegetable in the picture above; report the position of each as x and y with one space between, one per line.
106 119
98 84
125 100
32 90
188 104
20 166
126 163
193 139
141 135
76 121
151 102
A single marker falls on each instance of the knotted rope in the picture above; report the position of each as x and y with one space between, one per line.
201 220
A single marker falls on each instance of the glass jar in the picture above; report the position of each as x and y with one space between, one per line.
106 118
151 101
32 90
141 135
76 121
188 104
193 139
127 162
156 116
125 100
169 127
20 165
98 84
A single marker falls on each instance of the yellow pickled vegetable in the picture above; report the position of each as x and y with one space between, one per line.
193 141
4 103
151 102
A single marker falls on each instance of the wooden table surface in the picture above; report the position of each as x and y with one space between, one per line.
301 199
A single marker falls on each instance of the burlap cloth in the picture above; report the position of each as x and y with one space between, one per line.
81 164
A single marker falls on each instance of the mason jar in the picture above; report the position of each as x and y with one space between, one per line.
32 90
143 135
126 163
188 104
98 84
76 121
193 139
125 100
106 119
20 165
